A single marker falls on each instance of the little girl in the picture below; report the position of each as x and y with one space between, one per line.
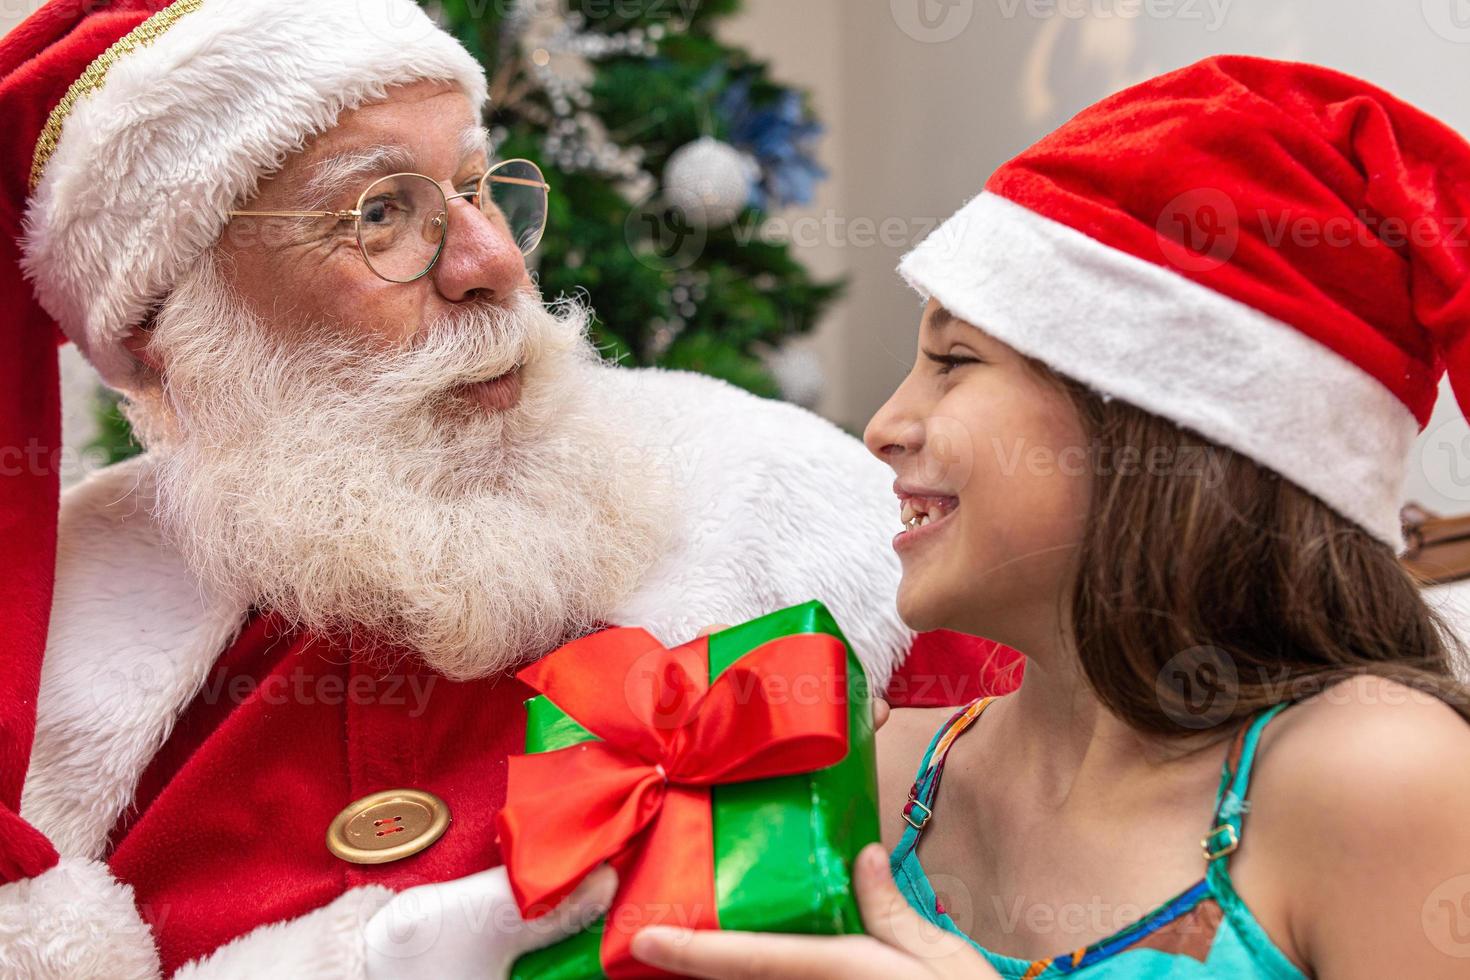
1170 368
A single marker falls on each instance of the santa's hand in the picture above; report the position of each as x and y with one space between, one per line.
899 944
470 927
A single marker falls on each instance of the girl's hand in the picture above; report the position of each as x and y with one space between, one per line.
899 945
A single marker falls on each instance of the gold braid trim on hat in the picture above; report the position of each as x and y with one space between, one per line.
91 79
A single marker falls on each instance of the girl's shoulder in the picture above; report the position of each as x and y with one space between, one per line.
1345 744
1358 802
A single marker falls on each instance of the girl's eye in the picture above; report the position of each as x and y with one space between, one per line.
948 362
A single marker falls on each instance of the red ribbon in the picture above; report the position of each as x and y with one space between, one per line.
640 797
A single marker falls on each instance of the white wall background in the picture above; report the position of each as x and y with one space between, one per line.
923 98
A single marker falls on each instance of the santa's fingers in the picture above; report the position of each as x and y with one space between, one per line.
584 906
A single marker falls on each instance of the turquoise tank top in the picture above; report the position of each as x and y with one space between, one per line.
1204 933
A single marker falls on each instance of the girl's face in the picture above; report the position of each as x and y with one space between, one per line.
993 482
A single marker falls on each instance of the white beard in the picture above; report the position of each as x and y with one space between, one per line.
347 489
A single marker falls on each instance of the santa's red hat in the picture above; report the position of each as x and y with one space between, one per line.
132 127
1273 255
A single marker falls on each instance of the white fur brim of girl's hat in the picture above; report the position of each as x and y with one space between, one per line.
1272 255
207 97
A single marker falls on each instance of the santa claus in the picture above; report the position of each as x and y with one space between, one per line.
380 475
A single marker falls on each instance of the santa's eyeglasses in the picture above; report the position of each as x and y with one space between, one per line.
401 219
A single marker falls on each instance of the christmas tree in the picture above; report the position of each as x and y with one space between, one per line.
666 151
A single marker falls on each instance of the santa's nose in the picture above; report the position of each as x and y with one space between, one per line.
480 259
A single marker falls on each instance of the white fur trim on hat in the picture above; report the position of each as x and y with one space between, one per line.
183 128
1173 347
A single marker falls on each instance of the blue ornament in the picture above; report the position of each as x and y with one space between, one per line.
779 135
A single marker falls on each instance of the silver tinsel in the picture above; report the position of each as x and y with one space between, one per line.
557 52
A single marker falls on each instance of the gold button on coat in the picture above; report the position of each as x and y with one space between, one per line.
387 826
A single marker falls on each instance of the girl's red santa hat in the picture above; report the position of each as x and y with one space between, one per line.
133 127
1273 255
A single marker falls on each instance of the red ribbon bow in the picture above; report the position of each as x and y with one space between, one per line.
640 797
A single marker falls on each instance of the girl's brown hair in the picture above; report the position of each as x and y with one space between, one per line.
1210 588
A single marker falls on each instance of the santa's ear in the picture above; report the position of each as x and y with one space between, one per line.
137 339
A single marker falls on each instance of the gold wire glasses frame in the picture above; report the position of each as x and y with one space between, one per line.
409 231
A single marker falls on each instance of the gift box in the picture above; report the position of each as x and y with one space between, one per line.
730 780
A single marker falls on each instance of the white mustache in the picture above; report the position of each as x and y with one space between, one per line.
459 348
340 484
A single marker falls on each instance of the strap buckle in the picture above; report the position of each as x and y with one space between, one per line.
923 821
1209 841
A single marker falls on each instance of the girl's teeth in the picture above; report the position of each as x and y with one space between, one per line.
911 517
912 520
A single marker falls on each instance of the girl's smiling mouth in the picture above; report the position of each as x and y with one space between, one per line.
922 512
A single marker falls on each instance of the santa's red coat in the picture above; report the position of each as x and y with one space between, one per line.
229 820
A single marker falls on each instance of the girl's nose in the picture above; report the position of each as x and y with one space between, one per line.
892 432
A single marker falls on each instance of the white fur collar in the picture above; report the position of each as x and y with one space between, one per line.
131 639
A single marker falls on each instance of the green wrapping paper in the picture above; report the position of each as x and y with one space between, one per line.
783 847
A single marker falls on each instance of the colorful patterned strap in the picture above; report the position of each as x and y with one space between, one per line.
1232 802
919 808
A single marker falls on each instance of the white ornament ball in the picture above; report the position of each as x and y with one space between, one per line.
710 180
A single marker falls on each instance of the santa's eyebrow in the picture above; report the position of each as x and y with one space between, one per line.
347 171
475 139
